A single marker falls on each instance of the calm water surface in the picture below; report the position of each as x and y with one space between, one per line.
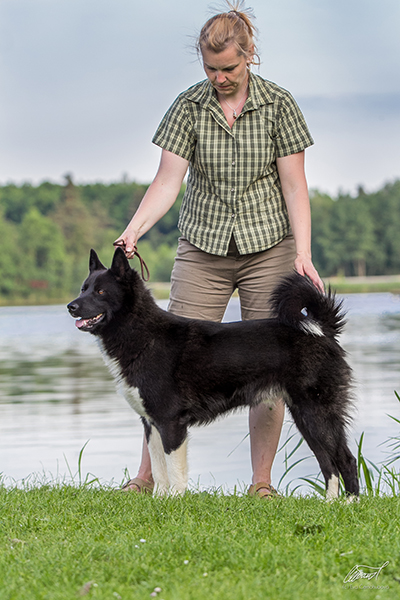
56 395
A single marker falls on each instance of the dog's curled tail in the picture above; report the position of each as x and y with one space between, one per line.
298 303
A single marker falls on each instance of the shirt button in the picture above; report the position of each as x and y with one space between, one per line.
233 163
233 189
233 216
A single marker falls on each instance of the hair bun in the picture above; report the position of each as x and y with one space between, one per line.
223 29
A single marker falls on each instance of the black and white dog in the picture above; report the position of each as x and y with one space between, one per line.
177 372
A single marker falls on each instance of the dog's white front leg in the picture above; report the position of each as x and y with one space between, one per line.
177 469
332 491
158 463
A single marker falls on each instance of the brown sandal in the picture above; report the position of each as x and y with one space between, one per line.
138 485
263 490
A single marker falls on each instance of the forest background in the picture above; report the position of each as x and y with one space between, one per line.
47 230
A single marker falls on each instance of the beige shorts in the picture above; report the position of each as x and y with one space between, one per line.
202 283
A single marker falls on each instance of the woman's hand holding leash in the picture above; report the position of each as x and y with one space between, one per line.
127 241
131 251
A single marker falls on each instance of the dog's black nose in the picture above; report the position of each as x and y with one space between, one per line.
72 307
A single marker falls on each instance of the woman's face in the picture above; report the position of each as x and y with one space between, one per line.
226 70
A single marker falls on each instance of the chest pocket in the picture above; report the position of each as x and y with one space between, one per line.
239 156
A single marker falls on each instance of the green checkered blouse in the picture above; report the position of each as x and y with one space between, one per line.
233 185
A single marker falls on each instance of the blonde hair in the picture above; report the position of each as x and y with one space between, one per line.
232 27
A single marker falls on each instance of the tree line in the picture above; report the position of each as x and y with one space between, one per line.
357 235
46 232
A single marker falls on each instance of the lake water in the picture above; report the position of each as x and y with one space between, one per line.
56 395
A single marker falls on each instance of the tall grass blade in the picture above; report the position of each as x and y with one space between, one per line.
301 440
286 442
288 469
236 447
313 483
362 466
80 462
69 468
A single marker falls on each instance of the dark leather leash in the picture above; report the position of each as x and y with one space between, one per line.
143 267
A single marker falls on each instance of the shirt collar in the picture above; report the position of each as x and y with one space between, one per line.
258 92
204 94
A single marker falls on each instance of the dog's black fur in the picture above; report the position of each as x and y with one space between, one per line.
186 372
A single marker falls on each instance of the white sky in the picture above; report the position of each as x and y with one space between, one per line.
84 83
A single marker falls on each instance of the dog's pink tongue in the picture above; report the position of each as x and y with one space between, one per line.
80 323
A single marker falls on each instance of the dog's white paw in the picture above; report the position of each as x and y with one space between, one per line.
351 499
175 491
160 489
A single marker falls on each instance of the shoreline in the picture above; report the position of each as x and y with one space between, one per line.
364 285
340 285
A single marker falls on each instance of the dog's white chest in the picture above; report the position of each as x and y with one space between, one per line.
130 394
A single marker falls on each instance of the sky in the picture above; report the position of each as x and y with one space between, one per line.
84 84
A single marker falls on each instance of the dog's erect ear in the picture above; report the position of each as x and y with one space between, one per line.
94 263
120 264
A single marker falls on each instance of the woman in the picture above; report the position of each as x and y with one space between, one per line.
245 217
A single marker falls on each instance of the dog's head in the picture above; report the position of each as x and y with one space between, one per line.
102 293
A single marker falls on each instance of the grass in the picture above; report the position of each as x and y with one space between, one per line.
61 542
82 539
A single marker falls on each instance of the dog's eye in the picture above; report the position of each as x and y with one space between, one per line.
101 292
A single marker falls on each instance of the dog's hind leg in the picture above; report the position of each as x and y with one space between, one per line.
177 469
347 466
158 462
325 435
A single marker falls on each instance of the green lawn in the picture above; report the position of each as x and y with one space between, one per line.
61 542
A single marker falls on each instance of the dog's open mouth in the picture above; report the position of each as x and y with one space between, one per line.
88 323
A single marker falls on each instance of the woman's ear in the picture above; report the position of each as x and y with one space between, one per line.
250 56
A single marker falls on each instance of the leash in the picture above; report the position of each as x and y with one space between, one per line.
143 267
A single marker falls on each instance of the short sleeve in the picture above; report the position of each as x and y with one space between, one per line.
292 134
175 132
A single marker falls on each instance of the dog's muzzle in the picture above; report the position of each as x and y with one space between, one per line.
83 323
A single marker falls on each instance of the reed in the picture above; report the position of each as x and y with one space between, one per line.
375 479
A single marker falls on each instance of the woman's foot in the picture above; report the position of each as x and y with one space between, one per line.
140 486
263 490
